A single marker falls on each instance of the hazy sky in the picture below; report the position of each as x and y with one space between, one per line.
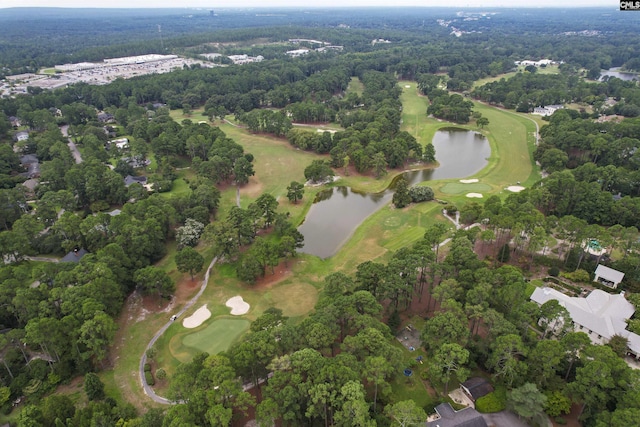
213 4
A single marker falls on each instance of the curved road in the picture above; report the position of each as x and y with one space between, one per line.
148 390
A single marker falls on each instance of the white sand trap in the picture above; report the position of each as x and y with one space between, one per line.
476 195
469 181
515 188
197 318
407 86
237 305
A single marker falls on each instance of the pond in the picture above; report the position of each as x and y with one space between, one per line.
615 72
337 212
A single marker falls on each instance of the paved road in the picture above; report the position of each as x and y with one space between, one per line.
72 146
148 390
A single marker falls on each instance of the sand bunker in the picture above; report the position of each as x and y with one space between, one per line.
469 181
515 188
237 305
197 318
476 195
407 86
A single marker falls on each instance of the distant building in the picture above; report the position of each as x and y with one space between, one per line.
121 144
75 255
23 135
15 122
245 59
298 52
547 110
105 117
129 179
32 165
540 63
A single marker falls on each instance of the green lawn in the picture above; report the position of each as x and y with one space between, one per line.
355 86
216 336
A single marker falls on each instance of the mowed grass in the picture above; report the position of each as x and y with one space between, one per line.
459 188
355 86
215 337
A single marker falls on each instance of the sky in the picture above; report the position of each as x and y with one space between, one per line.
213 4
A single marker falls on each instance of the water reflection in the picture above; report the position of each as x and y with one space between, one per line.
331 220
615 72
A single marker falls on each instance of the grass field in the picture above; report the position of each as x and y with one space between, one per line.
355 86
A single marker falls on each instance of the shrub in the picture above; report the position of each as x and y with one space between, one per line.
161 374
421 194
577 276
147 367
149 378
451 209
553 271
560 420
152 353
495 401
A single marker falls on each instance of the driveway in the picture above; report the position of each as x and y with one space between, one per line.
72 146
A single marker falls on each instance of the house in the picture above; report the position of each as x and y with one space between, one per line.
136 161
31 163
129 179
600 315
476 387
23 135
121 144
297 52
447 417
547 110
15 122
106 117
608 276
75 255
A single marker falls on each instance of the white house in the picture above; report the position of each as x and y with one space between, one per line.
547 110
608 276
297 52
23 135
121 144
600 315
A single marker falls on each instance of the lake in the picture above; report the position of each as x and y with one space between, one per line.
338 211
615 72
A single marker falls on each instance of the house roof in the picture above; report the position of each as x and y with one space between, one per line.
467 417
129 179
609 274
477 387
600 312
74 256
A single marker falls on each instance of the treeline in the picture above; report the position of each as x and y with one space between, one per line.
526 90
594 169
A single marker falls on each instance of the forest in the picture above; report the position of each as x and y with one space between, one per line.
142 217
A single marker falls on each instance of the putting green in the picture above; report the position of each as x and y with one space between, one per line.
458 188
216 337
